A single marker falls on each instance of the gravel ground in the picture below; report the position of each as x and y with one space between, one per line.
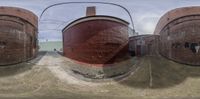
47 77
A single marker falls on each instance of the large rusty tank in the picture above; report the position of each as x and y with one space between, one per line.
18 35
179 35
95 43
95 39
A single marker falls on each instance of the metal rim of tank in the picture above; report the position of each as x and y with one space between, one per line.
96 17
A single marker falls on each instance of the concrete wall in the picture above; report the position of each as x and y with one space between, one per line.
144 45
103 71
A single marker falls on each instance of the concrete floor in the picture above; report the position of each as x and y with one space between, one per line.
47 77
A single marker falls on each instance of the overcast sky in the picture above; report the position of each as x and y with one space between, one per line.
145 13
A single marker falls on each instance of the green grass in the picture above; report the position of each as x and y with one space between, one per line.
50 45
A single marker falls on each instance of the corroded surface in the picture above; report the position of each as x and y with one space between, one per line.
96 41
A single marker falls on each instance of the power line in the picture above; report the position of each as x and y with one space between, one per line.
62 3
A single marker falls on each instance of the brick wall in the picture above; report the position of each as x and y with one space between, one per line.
180 38
18 38
96 41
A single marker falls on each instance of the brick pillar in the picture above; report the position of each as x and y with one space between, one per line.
91 11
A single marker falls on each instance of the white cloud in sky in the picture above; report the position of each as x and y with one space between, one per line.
146 22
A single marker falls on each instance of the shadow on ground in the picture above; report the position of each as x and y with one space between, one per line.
21 67
158 72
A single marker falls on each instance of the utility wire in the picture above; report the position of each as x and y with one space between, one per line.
62 3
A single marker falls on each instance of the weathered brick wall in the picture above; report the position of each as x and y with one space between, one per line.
180 38
96 41
20 13
18 37
175 14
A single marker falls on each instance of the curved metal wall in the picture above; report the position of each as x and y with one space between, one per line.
18 35
179 36
96 41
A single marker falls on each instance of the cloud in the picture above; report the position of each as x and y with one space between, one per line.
146 23
146 13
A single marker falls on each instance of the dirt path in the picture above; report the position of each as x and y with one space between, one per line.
47 77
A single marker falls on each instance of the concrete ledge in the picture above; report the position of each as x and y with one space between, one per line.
90 72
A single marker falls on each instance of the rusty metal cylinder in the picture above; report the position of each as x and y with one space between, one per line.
18 35
179 35
96 39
